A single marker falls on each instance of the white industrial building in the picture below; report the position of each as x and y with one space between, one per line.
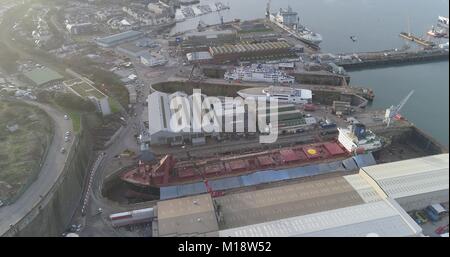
414 183
372 203
80 28
381 218
119 38
131 50
160 115
152 60
198 57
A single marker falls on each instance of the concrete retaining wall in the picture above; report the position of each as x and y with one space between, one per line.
52 216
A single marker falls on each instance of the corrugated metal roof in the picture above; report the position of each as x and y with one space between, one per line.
118 37
382 218
412 177
364 189
240 48
188 215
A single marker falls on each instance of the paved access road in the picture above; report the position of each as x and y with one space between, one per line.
51 170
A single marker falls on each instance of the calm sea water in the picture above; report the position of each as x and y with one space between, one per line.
376 24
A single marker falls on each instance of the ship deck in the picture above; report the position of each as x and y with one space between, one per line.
233 165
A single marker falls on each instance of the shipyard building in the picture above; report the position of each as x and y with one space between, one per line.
160 114
42 77
371 203
209 38
249 52
80 28
120 38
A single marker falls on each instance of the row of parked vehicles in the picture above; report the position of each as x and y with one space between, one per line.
432 213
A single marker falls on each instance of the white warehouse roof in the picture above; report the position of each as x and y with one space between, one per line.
380 218
411 177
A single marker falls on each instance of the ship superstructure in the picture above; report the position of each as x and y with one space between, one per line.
282 94
357 139
441 29
259 73
289 21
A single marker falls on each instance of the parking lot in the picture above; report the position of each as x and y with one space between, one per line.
432 228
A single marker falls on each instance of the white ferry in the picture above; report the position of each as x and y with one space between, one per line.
282 94
357 139
259 73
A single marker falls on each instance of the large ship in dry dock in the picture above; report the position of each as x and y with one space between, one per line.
377 142
170 172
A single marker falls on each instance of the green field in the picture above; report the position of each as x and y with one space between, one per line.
115 106
21 151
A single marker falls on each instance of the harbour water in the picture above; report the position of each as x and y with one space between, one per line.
376 25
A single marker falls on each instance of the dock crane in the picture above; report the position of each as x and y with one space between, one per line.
393 111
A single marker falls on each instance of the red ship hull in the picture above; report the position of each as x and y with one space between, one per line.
169 172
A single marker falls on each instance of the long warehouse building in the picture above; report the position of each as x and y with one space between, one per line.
119 38
249 52
373 202
414 183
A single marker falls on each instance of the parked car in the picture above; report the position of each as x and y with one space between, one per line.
421 217
442 229
431 214
1 203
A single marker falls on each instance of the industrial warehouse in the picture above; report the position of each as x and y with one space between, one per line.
248 52
370 203
160 114
43 76
120 38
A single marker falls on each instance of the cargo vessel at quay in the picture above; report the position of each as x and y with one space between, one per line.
289 21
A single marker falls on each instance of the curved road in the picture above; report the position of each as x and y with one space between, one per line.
50 171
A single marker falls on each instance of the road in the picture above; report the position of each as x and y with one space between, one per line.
99 225
51 170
